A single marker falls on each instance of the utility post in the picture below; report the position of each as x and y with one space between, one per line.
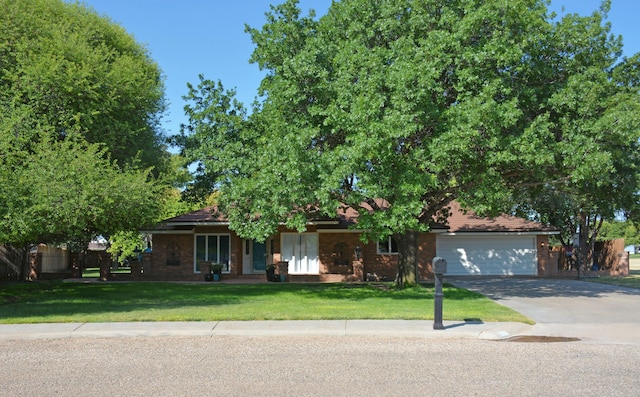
439 266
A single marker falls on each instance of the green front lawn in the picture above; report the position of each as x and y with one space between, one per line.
94 272
43 302
632 280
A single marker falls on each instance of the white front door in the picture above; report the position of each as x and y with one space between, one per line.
254 257
301 251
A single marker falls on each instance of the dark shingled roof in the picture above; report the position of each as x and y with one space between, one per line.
459 221
208 214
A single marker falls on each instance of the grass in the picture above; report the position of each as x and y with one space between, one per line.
631 281
46 302
94 272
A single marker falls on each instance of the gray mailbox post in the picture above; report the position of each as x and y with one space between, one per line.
439 266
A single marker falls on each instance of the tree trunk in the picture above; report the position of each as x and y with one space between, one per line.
583 243
25 262
407 258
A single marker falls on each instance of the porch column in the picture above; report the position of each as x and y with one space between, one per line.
35 265
105 269
358 269
76 265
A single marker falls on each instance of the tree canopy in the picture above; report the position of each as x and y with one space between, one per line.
597 113
68 192
80 103
397 108
62 65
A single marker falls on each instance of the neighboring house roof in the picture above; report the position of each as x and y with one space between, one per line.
459 221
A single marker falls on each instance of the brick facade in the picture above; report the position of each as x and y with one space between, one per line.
174 244
172 257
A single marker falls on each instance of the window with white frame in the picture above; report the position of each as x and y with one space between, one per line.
215 248
388 246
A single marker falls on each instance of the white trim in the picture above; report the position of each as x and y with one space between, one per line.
218 223
437 231
499 233
195 249
389 241
434 231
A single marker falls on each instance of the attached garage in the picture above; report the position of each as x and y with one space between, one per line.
490 254
503 245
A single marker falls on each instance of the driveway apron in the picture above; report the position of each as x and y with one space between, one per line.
559 301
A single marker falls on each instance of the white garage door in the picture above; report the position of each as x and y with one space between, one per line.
488 255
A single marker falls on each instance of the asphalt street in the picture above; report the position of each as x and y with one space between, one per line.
314 366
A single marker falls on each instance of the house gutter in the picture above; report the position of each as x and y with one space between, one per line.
532 233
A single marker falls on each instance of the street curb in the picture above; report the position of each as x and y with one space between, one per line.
343 328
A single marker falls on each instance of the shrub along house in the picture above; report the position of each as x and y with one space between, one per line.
329 250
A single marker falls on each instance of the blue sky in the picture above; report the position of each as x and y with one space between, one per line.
191 37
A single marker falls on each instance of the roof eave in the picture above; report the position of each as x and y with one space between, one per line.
503 232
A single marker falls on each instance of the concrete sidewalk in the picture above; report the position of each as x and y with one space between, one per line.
598 333
373 328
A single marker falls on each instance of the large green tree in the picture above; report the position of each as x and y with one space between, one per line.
80 143
396 108
597 112
63 65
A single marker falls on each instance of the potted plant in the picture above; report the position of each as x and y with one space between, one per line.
205 268
216 269
271 272
283 270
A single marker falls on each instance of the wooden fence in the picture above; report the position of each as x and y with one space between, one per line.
11 260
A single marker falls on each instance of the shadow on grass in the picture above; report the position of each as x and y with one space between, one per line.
55 299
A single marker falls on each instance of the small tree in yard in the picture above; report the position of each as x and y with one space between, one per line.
69 193
397 108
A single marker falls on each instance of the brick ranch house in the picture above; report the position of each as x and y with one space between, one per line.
329 250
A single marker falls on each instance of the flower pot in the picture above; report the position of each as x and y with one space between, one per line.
208 277
216 277
271 274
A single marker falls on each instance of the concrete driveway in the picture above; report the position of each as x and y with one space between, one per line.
569 308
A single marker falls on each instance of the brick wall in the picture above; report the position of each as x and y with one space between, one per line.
386 265
426 253
547 258
172 256
337 252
